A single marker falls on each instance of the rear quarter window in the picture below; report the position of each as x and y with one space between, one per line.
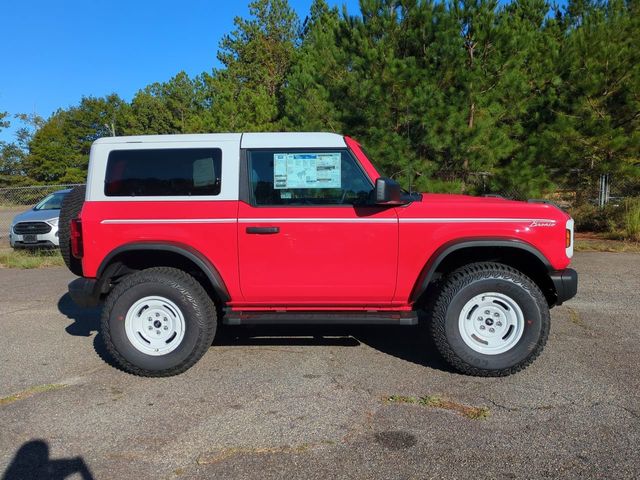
163 172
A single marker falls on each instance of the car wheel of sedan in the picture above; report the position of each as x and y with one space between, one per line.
490 320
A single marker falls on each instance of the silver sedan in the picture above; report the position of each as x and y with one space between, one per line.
38 227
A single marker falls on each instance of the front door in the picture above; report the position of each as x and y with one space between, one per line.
306 236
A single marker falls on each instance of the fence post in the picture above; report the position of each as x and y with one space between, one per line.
604 191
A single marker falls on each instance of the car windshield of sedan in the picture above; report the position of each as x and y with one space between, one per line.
51 202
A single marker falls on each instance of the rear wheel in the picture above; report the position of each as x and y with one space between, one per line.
158 322
490 320
70 208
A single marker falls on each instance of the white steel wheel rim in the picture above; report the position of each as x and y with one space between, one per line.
155 325
491 323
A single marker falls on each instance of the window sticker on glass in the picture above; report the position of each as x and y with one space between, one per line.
307 170
203 172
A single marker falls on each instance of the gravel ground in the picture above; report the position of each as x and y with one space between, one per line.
311 402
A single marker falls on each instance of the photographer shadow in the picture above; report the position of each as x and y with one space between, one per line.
32 462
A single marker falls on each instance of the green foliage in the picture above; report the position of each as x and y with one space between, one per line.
632 219
621 221
4 123
246 95
591 218
464 96
59 149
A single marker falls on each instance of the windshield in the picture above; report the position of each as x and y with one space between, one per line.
51 202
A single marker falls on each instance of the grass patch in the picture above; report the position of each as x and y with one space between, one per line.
600 244
574 317
434 401
24 259
30 392
632 218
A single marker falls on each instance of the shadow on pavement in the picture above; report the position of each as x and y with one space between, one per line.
85 322
408 343
32 462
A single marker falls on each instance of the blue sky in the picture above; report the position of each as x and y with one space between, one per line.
54 52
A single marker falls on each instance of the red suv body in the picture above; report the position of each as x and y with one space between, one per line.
300 227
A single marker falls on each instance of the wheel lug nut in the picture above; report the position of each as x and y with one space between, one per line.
480 319
482 327
158 332
499 324
496 314
492 330
166 328
157 314
150 327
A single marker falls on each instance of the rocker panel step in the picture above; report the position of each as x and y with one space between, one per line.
319 318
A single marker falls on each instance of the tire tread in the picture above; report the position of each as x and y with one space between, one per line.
70 208
452 285
195 294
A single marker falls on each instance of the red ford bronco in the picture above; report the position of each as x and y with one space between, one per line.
177 232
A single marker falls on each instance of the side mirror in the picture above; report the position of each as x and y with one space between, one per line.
387 192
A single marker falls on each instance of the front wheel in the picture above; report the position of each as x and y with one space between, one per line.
158 322
490 320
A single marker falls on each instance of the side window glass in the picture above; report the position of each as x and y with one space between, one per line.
163 172
296 177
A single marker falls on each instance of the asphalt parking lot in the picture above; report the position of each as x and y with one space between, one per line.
294 402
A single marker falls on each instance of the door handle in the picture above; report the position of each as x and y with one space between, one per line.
263 230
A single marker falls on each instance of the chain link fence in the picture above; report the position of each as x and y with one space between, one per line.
15 200
601 191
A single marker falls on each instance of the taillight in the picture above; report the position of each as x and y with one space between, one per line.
77 249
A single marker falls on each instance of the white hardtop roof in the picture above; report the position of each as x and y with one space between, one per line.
248 140
292 140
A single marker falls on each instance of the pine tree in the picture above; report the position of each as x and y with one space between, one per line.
596 129
247 93
312 99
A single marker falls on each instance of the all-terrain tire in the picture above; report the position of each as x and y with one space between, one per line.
149 295
70 208
454 307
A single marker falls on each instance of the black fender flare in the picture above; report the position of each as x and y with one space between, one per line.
426 275
200 260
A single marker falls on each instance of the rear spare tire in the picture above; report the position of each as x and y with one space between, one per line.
71 206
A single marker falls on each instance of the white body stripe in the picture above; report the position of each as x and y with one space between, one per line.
476 220
129 221
325 220
318 220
